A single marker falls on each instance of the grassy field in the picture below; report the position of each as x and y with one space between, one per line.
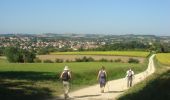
114 53
163 58
155 87
38 81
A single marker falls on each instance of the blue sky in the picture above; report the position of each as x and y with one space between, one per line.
85 16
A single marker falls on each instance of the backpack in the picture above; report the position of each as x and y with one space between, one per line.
130 74
102 74
65 76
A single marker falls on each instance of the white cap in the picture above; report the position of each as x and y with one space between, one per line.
66 68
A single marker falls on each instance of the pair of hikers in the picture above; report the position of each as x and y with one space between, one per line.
101 77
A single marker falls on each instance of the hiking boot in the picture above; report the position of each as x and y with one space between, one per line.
66 96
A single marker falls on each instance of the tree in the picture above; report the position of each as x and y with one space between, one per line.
28 56
43 51
1 51
15 54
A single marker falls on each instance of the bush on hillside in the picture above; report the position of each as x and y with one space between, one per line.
15 54
103 60
48 61
84 59
37 60
132 60
118 60
68 60
57 60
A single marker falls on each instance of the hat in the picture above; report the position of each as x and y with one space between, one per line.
66 68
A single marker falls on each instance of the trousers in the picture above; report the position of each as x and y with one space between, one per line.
66 87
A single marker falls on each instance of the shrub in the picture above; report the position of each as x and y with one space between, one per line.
111 60
59 60
118 60
78 60
15 54
48 61
84 59
103 60
89 59
37 60
67 60
132 60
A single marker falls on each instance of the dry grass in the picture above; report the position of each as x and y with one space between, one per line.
95 57
163 58
111 53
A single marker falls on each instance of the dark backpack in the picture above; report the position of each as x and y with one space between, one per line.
102 74
129 73
65 76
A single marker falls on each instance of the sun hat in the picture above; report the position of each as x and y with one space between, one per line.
66 68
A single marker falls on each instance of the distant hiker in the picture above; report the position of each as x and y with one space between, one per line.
129 76
102 75
66 76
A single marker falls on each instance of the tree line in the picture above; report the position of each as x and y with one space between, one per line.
121 46
15 54
136 45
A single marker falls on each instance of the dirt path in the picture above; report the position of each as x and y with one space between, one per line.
113 88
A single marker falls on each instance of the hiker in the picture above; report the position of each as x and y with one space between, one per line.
129 76
66 76
102 75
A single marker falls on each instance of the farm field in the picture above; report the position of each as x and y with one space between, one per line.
41 80
95 57
163 58
114 53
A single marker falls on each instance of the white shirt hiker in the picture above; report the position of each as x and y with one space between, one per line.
129 73
129 77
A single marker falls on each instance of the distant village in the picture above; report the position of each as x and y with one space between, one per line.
37 42
72 41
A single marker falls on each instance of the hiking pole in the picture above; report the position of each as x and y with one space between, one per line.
108 86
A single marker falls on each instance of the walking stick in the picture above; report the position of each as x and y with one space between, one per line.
107 86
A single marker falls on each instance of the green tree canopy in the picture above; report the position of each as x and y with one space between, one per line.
15 54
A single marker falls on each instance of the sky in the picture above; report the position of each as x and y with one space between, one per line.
116 17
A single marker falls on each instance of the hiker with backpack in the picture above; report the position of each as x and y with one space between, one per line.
129 76
66 76
102 75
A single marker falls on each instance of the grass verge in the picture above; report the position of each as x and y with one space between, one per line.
155 87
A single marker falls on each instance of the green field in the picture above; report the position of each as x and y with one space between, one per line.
41 80
163 58
114 53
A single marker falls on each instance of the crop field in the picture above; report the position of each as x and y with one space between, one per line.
41 80
163 58
95 57
113 53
